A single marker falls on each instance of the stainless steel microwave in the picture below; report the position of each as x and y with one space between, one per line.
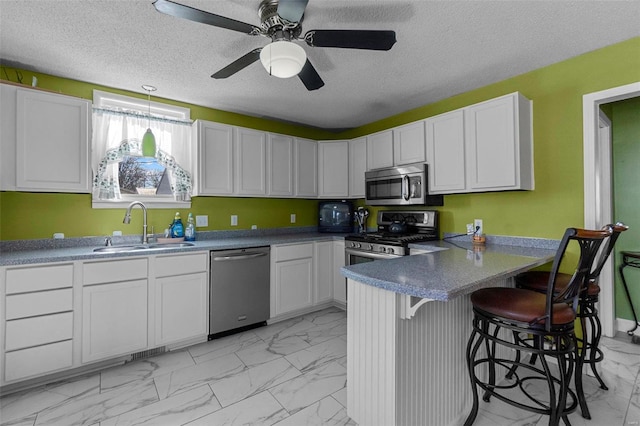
399 186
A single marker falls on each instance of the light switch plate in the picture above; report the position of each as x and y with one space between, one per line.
234 220
202 221
293 218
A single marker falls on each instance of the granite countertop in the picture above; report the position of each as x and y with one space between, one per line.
60 251
451 269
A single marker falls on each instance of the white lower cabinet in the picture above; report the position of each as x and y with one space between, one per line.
306 275
114 319
323 257
114 308
291 278
339 281
180 298
36 333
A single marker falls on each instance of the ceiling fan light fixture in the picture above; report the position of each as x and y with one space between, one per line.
283 59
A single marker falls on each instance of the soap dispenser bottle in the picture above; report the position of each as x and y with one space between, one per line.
190 231
177 228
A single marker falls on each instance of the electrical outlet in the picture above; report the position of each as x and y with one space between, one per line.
254 226
477 226
293 218
234 220
202 221
470 228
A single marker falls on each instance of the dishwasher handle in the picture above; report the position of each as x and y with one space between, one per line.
239 256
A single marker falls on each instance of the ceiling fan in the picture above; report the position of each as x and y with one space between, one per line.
281 22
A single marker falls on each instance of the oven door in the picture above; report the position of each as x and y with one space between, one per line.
353 257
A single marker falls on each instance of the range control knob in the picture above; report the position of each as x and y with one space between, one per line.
353 244
358 245
370 247
390 250
383 249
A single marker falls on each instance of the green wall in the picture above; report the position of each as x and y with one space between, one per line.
556 203
625 119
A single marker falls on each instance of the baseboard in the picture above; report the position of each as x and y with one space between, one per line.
624 325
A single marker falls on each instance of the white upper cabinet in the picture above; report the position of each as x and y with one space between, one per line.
280 165
409 144
333 169
499 144
8 137
45 141
250 156
214 163
483 147
357 166
306 168
380 150
445 151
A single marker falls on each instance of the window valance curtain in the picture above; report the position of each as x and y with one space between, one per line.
117 134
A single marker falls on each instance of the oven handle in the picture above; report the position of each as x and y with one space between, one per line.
369 255
405 188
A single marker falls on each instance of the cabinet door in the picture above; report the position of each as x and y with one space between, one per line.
409 144
339 281
357 167
293 285
323 264
446 153
380 150
214 170
180 308
251 159
333 169
280 165
52 142
8 137
306 168
491 144
114 319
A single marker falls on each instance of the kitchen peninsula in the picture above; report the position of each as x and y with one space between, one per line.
408 321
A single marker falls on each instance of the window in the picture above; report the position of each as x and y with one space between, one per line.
120 173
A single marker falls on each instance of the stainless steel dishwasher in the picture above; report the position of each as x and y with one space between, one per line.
238 289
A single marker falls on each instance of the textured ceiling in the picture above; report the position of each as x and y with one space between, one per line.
443 48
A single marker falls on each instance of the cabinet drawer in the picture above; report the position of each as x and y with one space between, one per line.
27 332
294 251
40 303
38 360
181 264
114 271
23 280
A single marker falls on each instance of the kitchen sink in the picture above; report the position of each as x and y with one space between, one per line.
124 249
118 249
169 245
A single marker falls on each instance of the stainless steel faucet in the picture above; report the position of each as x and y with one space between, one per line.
127 219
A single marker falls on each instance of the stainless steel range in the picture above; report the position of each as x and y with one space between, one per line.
396 230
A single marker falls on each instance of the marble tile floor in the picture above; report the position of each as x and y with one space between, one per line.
291 373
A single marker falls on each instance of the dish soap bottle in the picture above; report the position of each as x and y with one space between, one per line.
177 228
190 231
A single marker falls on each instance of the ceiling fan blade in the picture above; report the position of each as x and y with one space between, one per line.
197 15
351 39
310 77
239 64
292 10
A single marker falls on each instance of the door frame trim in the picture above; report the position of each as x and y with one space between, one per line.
597 186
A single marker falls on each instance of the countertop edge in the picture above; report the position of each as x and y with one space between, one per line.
86 253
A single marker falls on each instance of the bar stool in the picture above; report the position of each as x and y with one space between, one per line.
588 345
531 322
